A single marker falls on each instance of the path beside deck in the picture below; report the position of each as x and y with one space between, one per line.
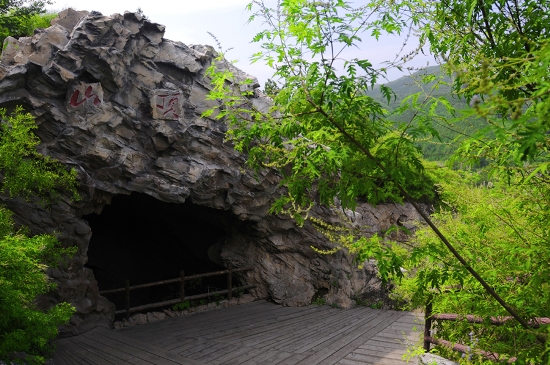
254 333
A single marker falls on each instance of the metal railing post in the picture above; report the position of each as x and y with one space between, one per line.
127 299
229 283
182 285
428 324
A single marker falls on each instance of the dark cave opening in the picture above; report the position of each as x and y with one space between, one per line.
143 240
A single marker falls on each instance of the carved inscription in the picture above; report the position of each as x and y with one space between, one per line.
85 97
77 99
167 104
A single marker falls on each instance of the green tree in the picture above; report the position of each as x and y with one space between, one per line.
42 20
497 227
498 51
16 16
499 54
271 89
450 131
333 137
330 140
23 258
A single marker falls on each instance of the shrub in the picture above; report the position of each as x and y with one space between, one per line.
23 263
24 259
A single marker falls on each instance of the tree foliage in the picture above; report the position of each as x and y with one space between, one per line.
319 108
24 259
20 17
449 131
25 171
502 230
331 141
23 262
499 52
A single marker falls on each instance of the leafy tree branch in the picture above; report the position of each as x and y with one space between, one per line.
332 142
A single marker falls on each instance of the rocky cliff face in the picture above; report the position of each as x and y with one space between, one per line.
121 104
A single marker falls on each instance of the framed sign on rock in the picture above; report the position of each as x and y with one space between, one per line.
167 104
85 97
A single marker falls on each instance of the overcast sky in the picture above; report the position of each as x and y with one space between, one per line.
189 21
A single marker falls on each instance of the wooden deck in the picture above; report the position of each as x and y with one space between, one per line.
254 333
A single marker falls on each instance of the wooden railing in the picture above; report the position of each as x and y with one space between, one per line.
429 339
182 279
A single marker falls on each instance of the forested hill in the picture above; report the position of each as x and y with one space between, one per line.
449 129
408 85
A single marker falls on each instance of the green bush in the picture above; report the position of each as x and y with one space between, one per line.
23 261
182 306
37 21
319 301
26 172
503 230
20 17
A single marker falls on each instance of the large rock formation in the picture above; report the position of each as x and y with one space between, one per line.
122 105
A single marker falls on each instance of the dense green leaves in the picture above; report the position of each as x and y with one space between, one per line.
23 261
20 17
500 56
24 327
333 142
502 229
321 104
26 172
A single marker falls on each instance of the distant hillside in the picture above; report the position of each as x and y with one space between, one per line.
450 134
408 85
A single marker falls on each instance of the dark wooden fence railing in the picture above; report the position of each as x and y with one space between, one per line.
182 279
429 339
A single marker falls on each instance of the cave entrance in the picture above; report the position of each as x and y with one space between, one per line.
143 240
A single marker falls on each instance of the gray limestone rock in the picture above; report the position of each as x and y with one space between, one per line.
431 359
122 105
246 298
16 51
69 18
169 313
155 317
138 319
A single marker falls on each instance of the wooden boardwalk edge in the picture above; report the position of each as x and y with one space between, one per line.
103 346
253 334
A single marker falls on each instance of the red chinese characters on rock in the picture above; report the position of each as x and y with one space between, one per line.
87 95
167 106
84 98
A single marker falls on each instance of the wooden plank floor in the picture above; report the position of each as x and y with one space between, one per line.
102 346
254 333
